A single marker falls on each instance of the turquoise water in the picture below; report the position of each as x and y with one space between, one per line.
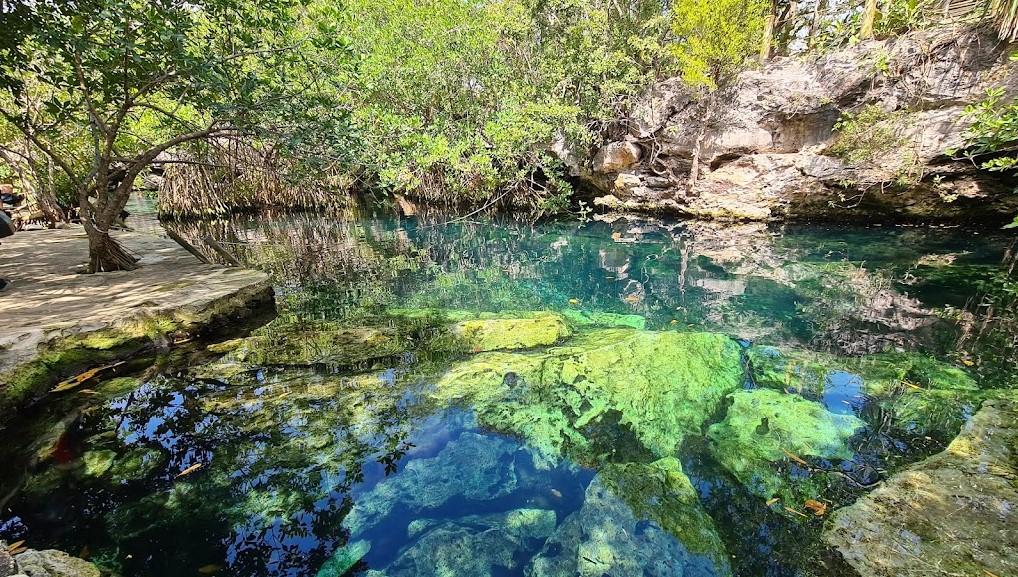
502 398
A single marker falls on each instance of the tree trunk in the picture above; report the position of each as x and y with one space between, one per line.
814 27
768 32
106 254
869 18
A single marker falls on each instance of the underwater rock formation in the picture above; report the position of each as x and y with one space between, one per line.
952 514
661 385
474 467
635 520
327 344
924 396
763 427
468 331
474 546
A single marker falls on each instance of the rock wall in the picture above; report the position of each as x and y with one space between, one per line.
770 150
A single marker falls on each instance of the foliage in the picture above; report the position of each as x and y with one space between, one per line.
1005 12
460 102
139 79
714 39
873 137
994 130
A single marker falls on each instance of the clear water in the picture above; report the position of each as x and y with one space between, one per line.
280 466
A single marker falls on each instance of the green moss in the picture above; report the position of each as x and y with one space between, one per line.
763 427
661 385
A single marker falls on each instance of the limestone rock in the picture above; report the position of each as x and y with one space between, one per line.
763 426
952 514
473 466
659 385
635 520
771 154
616 156
52 563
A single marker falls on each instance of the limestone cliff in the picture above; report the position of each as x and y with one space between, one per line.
771 151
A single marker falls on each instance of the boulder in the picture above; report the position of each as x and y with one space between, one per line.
52 563
952 514
617 156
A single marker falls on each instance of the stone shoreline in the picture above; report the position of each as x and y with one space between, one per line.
57 322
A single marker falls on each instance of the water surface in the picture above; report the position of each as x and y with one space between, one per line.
358 432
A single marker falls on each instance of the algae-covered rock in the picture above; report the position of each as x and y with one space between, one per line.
283 344
763 427
601 319
468 331
52 563
474 467
661 385
480 335
952 514
475 545
923 396
635 520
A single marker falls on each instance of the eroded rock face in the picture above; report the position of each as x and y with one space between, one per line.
952 514
773 152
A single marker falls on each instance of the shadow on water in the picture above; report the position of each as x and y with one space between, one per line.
323 444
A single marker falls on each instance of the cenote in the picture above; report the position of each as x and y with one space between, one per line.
468 397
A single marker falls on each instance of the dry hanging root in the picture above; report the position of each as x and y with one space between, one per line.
107 255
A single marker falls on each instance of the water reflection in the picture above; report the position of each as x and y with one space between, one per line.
364 431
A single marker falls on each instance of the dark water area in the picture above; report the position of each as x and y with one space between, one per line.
490 397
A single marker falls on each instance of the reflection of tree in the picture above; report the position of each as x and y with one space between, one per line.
280 457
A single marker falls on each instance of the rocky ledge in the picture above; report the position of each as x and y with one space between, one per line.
952 514
773 148
48 563
58 323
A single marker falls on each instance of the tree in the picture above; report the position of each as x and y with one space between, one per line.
1005 12
869 18
713 41
141 78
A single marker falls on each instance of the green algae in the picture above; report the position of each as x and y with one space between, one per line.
280 343
601 319
662 385
763 427
467 331
636 519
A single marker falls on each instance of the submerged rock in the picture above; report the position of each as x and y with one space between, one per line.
660 385
277 344
477 545
52 563
635 520
924 396
474 467
601 319
459 330
952 514
763 427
